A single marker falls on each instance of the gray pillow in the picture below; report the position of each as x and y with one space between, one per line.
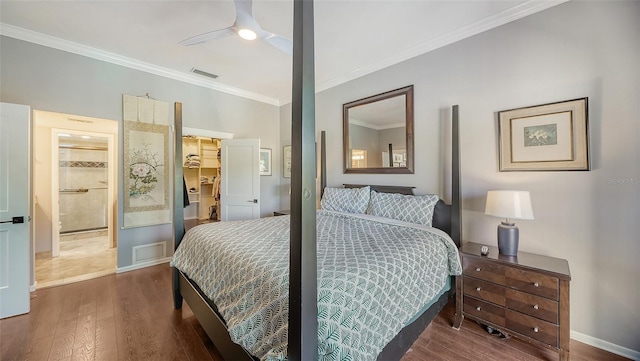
409 208
348 200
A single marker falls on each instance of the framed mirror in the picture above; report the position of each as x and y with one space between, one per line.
378 133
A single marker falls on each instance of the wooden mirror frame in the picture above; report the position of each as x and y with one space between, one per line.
408 93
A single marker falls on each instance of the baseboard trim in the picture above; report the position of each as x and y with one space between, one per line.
143 265
606 345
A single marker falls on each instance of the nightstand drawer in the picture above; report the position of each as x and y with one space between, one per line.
536 306
489 271
484 290
484 310
533 282
530 326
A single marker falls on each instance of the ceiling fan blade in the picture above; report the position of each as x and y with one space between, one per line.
244 8
280 42
202 38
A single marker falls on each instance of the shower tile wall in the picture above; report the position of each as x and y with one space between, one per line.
83 169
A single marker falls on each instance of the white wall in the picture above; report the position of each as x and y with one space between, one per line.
57 81
592 219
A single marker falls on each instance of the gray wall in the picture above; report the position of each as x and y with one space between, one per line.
364 138
576 49
57 81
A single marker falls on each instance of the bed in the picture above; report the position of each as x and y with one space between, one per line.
376 274
188 279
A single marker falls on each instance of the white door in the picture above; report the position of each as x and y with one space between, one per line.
14 209
240 184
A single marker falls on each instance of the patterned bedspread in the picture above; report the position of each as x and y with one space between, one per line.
374 275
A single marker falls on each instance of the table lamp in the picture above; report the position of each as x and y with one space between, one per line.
509 205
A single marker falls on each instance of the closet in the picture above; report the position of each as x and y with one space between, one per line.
201 167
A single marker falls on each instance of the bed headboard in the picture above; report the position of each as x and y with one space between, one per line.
441 214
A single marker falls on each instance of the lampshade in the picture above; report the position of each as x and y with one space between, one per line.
509 204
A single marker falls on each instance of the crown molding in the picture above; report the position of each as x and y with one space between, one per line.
504 17
75 48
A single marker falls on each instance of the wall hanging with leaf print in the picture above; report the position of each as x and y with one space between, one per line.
146 162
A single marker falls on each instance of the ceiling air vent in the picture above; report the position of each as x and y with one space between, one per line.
203 73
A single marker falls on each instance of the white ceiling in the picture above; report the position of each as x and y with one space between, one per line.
352 37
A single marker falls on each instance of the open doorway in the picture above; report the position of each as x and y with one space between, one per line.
75 198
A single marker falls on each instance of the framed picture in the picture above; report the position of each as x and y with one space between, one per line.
265 161
545 137
286 158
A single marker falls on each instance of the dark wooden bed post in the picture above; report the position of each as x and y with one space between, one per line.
323 162
303 310
178 197
456 209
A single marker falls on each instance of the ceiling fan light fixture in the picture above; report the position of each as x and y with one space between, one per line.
247 34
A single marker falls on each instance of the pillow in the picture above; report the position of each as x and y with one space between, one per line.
408 208
348 200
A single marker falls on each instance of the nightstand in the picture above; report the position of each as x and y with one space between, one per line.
280 213
525 296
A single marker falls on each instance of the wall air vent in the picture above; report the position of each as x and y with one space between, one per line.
203 73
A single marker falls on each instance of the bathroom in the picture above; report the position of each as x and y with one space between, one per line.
74 189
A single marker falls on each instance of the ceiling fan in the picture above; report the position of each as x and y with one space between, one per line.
246 27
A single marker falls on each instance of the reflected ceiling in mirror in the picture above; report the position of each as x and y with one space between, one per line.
378 133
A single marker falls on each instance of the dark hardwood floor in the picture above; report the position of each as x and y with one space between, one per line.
130 316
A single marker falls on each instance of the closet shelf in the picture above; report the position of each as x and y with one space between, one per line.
201 177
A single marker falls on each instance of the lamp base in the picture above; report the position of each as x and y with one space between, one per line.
508 235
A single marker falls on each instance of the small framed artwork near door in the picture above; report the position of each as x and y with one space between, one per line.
265 161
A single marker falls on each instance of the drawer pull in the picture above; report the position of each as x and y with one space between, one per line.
536 284
535 307
535 329
478 308
478 289
477 269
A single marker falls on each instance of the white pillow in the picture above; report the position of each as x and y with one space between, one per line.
348 200
408 208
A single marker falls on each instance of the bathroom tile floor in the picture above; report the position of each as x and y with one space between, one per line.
79 259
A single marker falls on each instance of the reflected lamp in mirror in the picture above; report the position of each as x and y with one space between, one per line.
509 205
378 133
